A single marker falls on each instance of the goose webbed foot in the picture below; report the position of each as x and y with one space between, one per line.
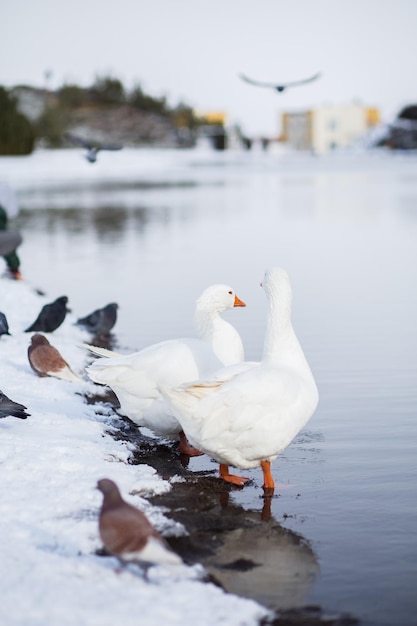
231 478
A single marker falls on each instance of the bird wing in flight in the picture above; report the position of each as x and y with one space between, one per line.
91 145
303 81
279 87
108 146
79 141
256 82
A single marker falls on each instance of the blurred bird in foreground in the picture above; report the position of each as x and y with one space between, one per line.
4 326
51 316
92 147
280 86
101 321
127 533
9 407
46 360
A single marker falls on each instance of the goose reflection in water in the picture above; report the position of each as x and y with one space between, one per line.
262 560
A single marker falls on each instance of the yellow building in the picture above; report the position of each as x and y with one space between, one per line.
328 127
212 117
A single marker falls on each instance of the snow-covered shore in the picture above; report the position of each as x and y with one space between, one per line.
50 464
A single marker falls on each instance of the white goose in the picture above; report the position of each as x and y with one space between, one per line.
136 378
246 419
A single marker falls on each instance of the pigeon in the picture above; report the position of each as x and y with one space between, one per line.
91 147
280 86
4 326
9 407
46 360
127 533
101 321
51 316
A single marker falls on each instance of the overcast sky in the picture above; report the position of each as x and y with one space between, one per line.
193 51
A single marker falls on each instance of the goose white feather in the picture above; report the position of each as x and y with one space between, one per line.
137 378
246 419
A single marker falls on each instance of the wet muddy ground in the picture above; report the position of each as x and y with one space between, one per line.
245 552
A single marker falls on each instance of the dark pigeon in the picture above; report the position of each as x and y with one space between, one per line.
9 407
51 316
101 321
4 326
127 533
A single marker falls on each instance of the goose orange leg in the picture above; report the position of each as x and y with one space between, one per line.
231 478
185 447
269 484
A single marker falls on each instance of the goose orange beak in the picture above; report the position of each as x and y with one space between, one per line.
238 302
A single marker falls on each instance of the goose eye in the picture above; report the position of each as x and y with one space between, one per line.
231 293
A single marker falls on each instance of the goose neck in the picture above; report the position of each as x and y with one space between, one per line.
204 321
279 331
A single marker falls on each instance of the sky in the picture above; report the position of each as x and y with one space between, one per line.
193 51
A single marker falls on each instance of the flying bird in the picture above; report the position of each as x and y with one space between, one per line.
136 378
46 360
127 533
247 419
280 86
101 321
9 407
51 316
4 326
92 147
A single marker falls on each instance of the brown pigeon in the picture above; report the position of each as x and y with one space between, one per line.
10 407
45 360
50 317
127 533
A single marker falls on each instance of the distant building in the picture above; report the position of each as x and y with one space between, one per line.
328 127
213 132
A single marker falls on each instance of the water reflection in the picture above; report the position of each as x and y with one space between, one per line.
243 547
260 559
107 222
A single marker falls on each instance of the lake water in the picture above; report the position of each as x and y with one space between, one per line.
151 229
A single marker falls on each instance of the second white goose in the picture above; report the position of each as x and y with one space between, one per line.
136 378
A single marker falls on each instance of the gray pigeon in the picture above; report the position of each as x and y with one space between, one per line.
51 316
127 533
4 326
101 321
9 407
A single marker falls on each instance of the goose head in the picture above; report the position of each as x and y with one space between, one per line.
277 287
218 298
223 338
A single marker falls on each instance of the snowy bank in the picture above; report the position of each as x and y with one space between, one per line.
50 464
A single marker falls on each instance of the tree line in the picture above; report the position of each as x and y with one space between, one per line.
19 135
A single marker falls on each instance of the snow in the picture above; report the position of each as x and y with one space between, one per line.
50 464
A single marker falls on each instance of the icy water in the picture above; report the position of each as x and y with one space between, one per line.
152 229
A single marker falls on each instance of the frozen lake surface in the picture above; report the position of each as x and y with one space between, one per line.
151 229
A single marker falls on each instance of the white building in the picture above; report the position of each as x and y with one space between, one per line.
328 127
